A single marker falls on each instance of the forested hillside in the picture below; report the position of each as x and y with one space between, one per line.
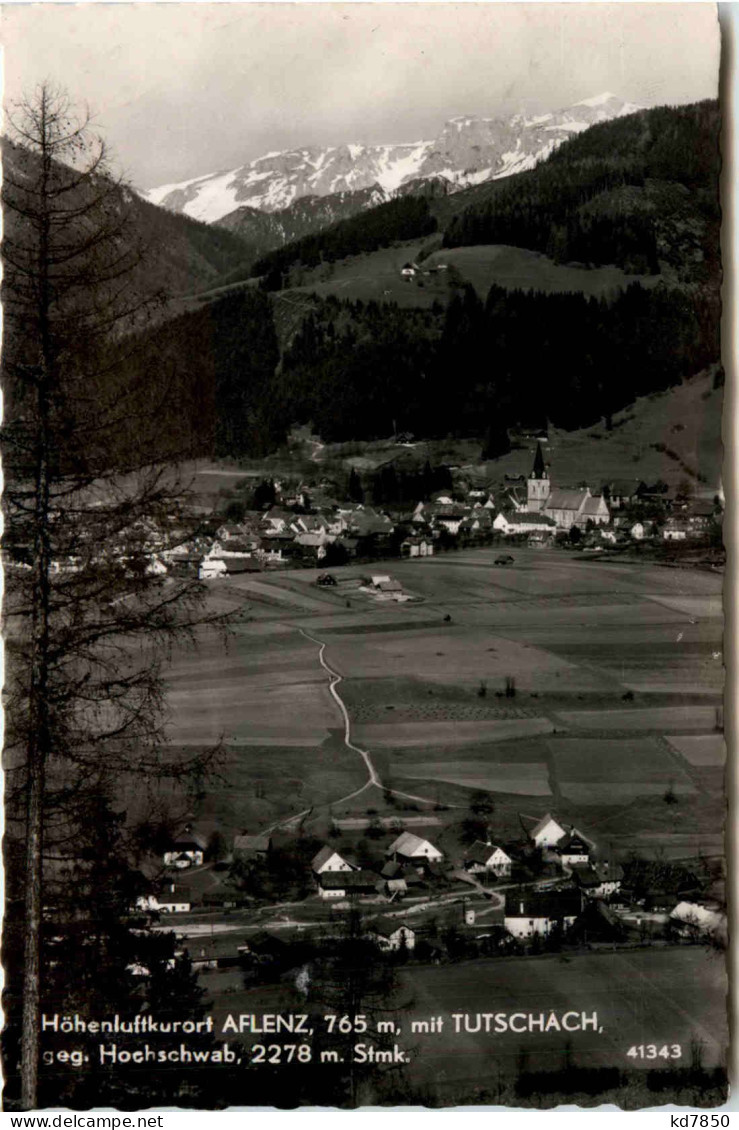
216 366
639 192
179 255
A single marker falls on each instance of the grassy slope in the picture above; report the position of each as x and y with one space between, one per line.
686 419
377 276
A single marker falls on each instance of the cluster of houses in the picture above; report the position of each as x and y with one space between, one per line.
613 513
308 524
570 892
318 528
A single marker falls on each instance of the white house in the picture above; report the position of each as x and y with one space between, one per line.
675 529
539 912
573 848
211 568
172 899
409 846
520 522
488 857
417 547
390 934
327 859
548 832
187 850
637 531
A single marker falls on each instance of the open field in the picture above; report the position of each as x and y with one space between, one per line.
652 718
530 778
399 734
632 992
702 750
426 697
633 762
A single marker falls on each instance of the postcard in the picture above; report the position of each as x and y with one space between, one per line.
363 556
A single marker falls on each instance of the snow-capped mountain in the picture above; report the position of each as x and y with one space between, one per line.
468 151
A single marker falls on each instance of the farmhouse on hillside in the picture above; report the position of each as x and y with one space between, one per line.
573 848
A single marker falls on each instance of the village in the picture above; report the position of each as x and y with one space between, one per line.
310 526
550 889
317 524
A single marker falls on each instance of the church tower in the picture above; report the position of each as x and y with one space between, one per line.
538 484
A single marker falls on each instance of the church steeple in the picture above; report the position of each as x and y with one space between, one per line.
539 471
538 485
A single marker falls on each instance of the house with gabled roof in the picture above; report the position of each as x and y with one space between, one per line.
547 832
170 898
487 857
417 546
411 847
278 520
329 859
519 522
573 848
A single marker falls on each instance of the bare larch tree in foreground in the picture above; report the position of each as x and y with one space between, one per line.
92 502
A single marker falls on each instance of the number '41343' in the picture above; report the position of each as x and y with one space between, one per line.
651 1051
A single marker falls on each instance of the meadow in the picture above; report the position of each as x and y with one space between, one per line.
616 673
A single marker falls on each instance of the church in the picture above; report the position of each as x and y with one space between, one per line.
566 508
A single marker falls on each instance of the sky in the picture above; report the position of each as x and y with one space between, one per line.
185 89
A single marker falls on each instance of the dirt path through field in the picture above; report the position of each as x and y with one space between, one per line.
374 779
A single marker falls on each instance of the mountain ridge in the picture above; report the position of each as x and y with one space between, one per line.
468 151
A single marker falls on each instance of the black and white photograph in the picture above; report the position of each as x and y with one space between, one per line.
363 557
